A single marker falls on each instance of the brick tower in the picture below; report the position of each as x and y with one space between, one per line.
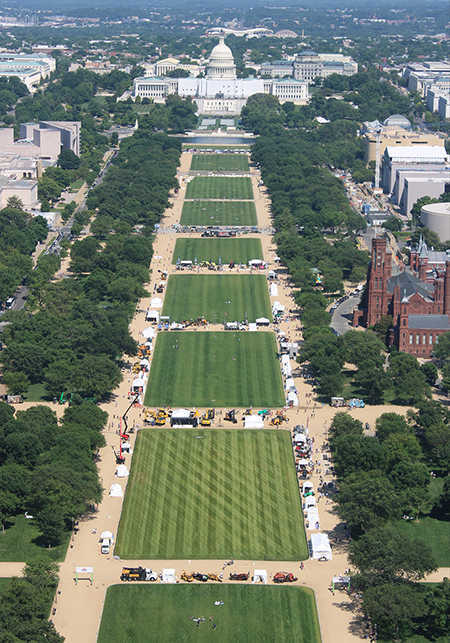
380 272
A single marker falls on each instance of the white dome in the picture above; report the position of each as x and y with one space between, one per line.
221 52
221 62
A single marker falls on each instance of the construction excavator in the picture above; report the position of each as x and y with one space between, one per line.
230 416
207 417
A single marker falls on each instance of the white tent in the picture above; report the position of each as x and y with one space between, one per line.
292 398
312 517
181 413
168 576
263 321
307 486
138 383
260 576
122 471
152 315
290 385
310 501
286 366
144 363
106 534
303 463
272 274
156 302
252 327
273 290
320 547
116 491
276 306
255 262
149 332
253 422
299 438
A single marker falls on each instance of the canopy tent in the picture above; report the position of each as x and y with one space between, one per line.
252 327
299 438
116 491
106 534
260 576
86 572
256 262
277 307
286 366
340 582
290 385
307 486
273 290
168 576
312 518
263 321
156 302
138 383
122 471
320 547
271 274
310 502
253 422
144 363
187 263
152 315
149 332
183 418
292 398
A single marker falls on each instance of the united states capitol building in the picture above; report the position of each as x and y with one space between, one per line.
221 92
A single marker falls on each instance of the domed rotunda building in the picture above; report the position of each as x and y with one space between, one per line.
221 92
221 63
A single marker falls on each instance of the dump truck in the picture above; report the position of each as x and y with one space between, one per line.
138 574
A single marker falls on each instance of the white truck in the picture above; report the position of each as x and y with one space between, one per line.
106 541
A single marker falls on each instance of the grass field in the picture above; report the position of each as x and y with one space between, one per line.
249 614
226 250
434 532
219 187
217 298
220 162
219 213
229 494
20 542
215 369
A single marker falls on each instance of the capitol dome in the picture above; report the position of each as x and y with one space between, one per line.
397 120
221 62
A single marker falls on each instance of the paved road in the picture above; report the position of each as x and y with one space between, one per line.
341 320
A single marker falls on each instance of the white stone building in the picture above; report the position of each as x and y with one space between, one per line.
221 92
29 68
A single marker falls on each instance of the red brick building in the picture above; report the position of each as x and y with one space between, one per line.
417 297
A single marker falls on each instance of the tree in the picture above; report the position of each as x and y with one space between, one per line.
442 507
389 423
8 506
366 498
392 608
15 203
442 348
407 378
50 520
393 224
384 554
431 372
383 327
17 382
437 609
114 140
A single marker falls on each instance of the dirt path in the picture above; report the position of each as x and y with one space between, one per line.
77 609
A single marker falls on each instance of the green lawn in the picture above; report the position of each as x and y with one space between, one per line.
248 615
76 185
219 187
219 213
20 542
215 369
202 493
217 298
220 162
434 532
226 250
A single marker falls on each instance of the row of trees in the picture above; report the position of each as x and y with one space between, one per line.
382 477
19 234
73 339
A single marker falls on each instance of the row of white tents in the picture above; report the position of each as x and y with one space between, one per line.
289 385
320 548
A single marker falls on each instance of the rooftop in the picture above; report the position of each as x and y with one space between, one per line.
428 322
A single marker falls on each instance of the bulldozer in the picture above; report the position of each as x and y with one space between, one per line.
160 421
240 576
230 416
186 577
